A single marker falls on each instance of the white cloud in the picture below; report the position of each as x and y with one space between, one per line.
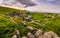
11 3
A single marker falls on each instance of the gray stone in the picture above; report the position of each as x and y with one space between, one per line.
24 37
49 35
17 32
24 24
27 18
14 36
54 35
31 28
38 33
30 35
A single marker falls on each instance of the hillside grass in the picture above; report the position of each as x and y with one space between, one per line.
49 21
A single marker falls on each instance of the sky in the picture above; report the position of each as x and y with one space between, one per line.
46 6
34 5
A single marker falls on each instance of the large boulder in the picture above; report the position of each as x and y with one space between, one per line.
49 35
52 34
44 36
17 33
27 18
24 37
30 35
38 33
14 36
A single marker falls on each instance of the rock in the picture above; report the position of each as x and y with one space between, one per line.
17 32
53 34
44 36
48 16
24 37
14 36
12 14
27 18
45 19
11 18
23 16
31 28
7 16
24 24
16 16
28 12
17 13
59 15
38 21
49 35
53 17
30 35
38 33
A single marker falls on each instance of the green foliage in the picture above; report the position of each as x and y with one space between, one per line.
6 27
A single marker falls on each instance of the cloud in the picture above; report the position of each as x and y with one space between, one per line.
50 0
11 3
53 2
45 8
18 3
57 2
27 2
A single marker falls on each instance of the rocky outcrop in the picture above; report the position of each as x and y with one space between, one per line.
37 33
49 35
52 34
40 34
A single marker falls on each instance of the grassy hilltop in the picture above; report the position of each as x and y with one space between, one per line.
44 21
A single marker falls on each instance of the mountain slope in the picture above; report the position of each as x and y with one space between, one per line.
42 21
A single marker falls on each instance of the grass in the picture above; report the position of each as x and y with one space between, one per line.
49 21
52 23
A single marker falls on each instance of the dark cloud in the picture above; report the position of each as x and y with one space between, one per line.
27 2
